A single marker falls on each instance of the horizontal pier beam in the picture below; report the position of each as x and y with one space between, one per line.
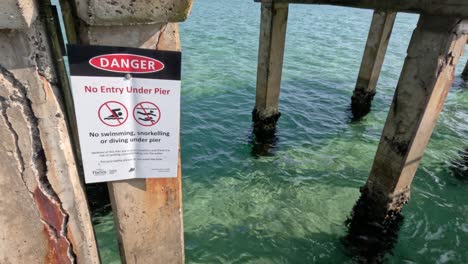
455 8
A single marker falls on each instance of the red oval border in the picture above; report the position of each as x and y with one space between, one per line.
104 69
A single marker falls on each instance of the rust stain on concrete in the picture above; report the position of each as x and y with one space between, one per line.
53 219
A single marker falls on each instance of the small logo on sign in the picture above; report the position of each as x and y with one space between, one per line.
126 63
99 172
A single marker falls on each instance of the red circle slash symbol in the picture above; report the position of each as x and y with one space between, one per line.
146 114
113 113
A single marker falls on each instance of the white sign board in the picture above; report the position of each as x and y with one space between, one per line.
127 106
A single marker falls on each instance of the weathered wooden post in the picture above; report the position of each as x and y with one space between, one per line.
372 60
273 23
427 75
147 213
44 217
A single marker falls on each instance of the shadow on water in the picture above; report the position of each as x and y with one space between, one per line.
260 246
459 167
98 199
103 222
371 238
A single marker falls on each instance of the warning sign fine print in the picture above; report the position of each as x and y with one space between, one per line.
127 107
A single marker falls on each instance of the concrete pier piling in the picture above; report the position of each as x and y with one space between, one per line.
147 213
270 63
372 60
435 48
45 217
427 75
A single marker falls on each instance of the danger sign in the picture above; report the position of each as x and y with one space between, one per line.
109 84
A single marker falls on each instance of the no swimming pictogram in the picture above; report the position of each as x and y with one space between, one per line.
113 113
146 114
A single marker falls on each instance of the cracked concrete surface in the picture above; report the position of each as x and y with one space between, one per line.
44 217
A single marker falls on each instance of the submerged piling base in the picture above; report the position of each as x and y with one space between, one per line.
361 103
459 167
465 73
264 140
373 232
264 126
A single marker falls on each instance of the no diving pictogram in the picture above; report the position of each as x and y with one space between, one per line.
146 114
113 113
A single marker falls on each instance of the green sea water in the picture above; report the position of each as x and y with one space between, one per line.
290 206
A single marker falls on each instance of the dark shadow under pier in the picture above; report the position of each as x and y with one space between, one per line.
98 199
